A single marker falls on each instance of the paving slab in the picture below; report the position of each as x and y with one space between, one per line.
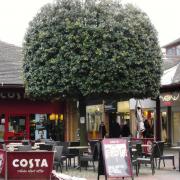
164 173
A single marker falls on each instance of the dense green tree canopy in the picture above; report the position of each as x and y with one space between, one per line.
82 48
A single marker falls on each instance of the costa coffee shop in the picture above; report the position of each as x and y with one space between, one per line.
21 117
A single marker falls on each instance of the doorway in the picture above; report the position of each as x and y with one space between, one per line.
17 127
112 117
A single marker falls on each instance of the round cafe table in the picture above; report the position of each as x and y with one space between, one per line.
79 148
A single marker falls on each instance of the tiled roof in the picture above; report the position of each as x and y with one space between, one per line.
171 71
170 62
10 64
177 41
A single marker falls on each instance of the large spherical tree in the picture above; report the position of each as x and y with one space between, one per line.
101 48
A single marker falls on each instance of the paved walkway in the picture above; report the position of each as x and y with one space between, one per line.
164 173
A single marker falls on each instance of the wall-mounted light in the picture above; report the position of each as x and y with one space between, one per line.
53 117
61 117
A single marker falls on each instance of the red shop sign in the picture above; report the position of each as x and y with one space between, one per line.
30 165
2 162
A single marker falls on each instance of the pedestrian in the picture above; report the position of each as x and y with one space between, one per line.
116 129
125 130
102 130
147 131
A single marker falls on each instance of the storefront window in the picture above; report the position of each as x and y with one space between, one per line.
94 118
176 125
2 122
42 126
164 126
17 127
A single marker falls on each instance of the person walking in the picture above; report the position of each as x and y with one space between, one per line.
102 130
126 130
116 129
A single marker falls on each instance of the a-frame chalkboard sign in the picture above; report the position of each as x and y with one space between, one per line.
116 157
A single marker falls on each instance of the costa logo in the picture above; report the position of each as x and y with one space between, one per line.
31 163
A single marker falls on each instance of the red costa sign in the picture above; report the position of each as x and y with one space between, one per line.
29 165
2 162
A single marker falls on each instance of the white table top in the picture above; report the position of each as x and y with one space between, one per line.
176 147
38 143
14 145
146 145
78 147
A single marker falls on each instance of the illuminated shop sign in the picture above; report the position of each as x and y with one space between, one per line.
30 163
168 99
11 95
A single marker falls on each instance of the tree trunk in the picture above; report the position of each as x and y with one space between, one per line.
82 115
158 121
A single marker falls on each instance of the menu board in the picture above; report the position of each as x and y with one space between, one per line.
116 158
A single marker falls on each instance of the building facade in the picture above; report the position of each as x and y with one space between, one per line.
20 117
170 94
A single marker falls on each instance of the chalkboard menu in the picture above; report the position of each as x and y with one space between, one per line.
116 158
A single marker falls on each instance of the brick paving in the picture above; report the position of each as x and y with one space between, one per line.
164 173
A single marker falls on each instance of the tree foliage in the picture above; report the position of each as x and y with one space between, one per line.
80 48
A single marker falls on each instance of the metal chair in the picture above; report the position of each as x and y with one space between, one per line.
88 157
65 152
73 153
57 157
148 160
163 156
46 147
134 159
24 148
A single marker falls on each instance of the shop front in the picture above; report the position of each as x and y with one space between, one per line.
94 116
21 118
170 117
123 113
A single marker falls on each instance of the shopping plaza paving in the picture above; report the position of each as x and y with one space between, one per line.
164 173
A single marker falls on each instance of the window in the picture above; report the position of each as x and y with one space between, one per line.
171 51
94 117
178 50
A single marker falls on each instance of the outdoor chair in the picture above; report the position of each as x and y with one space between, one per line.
87 157
57 157
134 161
163 156
25 142
47 147
50 142
65 152
24 148
148 160
73 153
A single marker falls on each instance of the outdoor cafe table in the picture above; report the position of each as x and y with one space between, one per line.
79 148
178 149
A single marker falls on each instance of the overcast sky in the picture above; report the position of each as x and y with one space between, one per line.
16 14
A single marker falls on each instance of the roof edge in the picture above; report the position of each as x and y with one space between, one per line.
11 85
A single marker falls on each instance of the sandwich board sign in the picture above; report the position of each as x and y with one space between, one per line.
116 157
